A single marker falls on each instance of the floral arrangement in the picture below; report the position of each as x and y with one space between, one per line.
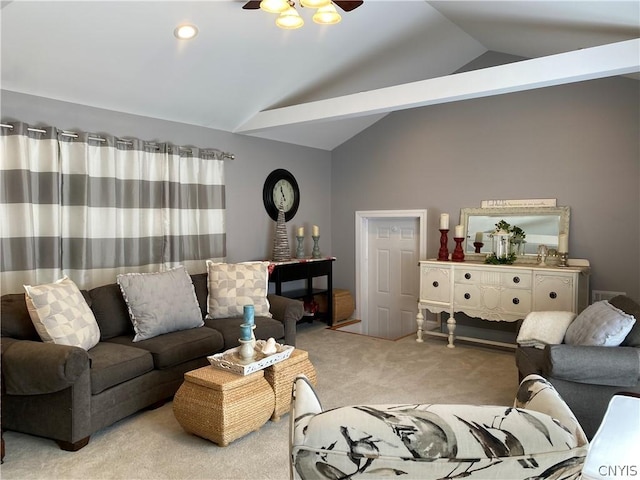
517 236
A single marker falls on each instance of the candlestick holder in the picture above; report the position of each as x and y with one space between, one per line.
443 253
564 259
478 246
458 253
247 351
300 249
315 253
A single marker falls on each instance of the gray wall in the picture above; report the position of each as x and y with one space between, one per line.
576 143
249 228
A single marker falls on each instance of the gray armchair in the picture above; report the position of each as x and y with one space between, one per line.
588 376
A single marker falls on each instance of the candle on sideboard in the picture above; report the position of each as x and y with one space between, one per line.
301 231
479 237
444 221
563 243
316 231
459 231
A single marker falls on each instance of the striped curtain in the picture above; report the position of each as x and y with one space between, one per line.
122 206
30 241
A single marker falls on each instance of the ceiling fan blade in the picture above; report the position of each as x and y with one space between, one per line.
347 6
253 5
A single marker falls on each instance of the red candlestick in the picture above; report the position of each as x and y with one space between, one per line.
478 246
458 253
443 253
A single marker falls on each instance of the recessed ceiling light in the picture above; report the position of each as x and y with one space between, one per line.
185 32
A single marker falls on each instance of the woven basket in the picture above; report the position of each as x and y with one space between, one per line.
223 406
281 376
343 305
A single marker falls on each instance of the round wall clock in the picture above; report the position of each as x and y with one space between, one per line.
281 191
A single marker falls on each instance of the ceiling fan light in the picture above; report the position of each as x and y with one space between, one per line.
327 15
290 19
315 3
274 6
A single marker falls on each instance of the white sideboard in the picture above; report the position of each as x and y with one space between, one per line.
504 293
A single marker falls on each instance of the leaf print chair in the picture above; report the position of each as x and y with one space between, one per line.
536 438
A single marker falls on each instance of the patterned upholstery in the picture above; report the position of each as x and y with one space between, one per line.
234 285
438 441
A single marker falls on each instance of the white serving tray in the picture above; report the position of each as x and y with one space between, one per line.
232 362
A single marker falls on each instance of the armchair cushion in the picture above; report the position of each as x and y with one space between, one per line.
627 305
34 368
600 324
431 441
618 367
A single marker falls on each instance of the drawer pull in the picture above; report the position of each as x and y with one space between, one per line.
516 301
553 295
435 284
467 276
516 279
467 296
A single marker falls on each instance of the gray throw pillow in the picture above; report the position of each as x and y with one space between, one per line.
160 302
600 324
627 305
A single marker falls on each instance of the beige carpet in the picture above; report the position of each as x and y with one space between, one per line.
351 369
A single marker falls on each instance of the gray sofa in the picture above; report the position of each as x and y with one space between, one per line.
67 393
588 376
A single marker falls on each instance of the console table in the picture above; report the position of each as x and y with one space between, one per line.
504 293
304 269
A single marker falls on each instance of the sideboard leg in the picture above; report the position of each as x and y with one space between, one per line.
420 322
451 326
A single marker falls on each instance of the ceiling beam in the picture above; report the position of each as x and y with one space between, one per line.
587 64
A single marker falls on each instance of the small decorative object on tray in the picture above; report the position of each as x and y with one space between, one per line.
232 361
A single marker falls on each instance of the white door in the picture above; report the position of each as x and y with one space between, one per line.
393 245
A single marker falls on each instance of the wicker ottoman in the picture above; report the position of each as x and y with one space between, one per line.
281 376
222 406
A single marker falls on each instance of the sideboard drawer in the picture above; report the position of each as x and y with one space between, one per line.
467 297
435 284
554 292
511 278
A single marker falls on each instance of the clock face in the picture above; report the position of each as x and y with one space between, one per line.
283 195
281 192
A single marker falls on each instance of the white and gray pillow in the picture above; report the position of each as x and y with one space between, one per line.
234 285
60 314
600 324
161 302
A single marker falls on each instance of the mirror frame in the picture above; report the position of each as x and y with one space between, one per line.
500 212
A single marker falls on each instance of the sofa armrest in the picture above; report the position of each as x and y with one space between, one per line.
612 366
288 311
33 368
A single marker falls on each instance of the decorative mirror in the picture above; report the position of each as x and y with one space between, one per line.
541 226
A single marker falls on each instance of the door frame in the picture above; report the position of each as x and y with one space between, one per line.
362 253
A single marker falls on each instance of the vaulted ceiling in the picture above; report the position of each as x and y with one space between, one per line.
316 86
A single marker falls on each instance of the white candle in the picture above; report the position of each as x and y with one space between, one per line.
563 243
316 231
444 221
459 231
479 237
301 231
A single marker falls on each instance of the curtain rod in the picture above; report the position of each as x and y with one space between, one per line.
223 155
